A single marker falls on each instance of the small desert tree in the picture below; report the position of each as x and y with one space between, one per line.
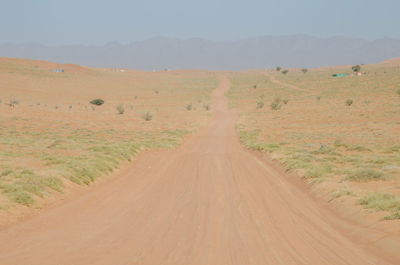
97 102
356 68
285 72
304 70
278 68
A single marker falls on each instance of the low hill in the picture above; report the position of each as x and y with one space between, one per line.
196 53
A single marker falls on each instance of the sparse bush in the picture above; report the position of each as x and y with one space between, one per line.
14 101
206 106
358 148
382 202
364 175
285 72
260 105
38 103
93 108
318 171
394 216
97 102
121 109
55 107
356 68
318 98
156 91
1 101
255 86
70 106
189 106
285 101
278 68
276 104
340 193
398 91
349 102
304 70
147 116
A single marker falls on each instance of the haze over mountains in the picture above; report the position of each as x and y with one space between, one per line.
196 53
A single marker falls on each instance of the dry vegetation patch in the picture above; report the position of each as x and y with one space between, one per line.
81 124
338 130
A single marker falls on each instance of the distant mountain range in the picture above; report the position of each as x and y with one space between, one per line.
196 53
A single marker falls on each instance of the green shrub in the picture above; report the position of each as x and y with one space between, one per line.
285 101
255 86
189 106
97 102
206 106
260 105
349 102
121 109
285 72
398 91
356 68
318 98
278 68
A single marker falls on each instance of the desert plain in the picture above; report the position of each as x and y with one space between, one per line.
199 167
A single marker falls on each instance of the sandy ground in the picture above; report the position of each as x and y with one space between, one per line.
207 202
53 119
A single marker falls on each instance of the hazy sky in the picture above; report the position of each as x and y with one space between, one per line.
99 21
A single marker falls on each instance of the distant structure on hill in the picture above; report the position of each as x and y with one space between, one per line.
58 70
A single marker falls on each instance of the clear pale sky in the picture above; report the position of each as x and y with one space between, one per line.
56 22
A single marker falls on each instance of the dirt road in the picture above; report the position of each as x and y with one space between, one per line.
208 202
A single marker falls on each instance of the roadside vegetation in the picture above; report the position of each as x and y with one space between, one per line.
104 119
311 131
68 154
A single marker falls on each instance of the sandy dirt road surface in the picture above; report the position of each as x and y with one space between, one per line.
207 202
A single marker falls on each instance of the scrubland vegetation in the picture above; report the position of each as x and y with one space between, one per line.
71 128
342 132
